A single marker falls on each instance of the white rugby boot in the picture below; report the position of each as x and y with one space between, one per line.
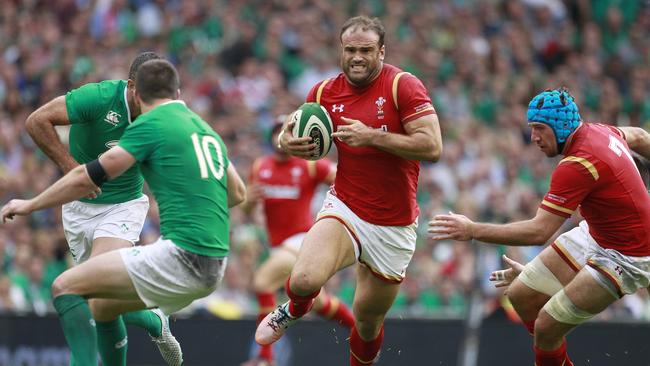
169 348
273 326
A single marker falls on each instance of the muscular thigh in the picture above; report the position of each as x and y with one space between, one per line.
540 280
102 276
327 248
588 294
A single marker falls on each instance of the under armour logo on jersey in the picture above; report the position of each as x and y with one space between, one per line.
112 118
337 108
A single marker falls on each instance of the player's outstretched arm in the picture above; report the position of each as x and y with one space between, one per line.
422 140
40 126
535 231
236 187
72 186
638 140
82 181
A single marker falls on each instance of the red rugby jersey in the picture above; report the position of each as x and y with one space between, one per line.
288 188
599 175
377 186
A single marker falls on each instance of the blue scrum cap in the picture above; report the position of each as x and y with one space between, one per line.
556 109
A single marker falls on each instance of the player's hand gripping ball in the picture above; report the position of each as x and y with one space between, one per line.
312 120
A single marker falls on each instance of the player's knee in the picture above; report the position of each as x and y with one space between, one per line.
543 334
519 296
303 283
61 286
515 294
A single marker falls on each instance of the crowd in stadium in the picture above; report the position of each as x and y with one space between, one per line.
244 62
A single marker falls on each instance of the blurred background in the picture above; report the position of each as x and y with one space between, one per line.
243 62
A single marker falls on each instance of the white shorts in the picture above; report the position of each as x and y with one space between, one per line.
385 250
85 222
168 277
618 273
575 246
293 243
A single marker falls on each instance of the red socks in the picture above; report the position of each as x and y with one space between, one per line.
334 309
556 357
299 305
363 353
266 302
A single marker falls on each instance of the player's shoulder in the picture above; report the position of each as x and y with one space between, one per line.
104 86
607 129
394 73
593 137
389 71
99 91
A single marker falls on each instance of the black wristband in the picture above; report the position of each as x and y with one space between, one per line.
96 172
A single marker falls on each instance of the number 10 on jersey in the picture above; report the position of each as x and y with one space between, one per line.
204 154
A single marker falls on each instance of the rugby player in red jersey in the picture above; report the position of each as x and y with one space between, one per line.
599 175
285 186
385 124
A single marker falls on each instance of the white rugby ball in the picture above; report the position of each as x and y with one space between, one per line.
312 120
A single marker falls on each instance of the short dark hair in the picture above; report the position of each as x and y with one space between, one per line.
139 60
156 79
365 23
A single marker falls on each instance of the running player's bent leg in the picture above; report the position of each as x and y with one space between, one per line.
112 331
529 292
372 300
581 299
326 249
145 319
102 276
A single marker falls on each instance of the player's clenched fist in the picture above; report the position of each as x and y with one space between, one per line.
15 207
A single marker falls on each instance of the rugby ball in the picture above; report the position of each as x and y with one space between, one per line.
312 120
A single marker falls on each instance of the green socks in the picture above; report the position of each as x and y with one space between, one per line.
112 342
78 327
145 319
84 337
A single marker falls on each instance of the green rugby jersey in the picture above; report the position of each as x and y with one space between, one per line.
99 114
184 163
